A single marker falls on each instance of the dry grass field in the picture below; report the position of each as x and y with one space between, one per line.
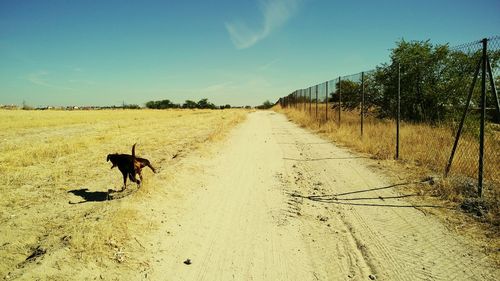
424 151
266 200
54 181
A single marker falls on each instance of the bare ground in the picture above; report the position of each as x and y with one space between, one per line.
279 203
275 202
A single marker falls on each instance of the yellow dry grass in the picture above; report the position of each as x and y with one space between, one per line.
424 149
47 154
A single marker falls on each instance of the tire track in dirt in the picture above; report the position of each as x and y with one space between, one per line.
235 227
342 247
397 243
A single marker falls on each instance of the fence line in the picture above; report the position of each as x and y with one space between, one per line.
424 96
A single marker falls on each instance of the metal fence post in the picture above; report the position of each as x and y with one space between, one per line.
300 107
294 99
316 102
362 100
340 98
310 102
399 111
305 100
462 119
298 100
326 112
483 114
301 100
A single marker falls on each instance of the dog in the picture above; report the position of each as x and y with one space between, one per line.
126 165
129 166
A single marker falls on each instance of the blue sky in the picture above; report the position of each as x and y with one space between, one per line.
238 52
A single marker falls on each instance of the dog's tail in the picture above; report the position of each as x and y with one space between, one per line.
133 150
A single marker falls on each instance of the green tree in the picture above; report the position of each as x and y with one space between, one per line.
204 104
266 105
190 104
422 66
131 106
162 104
351 94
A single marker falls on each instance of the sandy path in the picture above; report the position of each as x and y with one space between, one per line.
279 203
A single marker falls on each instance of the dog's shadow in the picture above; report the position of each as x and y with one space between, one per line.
99 196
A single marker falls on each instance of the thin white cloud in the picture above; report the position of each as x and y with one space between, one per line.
217 87
82 81
275 14
268 65
40 78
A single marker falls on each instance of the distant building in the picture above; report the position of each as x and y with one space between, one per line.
8 106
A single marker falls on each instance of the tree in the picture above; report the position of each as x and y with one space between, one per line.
131 106
162 104
266 105
204 104
150 104
190 104
424 92
351 94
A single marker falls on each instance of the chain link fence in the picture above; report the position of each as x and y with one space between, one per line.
424 107
471 160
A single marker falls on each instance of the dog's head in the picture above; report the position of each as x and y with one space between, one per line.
112 158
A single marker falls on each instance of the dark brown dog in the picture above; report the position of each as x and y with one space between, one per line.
129 166
125 164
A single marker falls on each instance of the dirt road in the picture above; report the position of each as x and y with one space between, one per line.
279 203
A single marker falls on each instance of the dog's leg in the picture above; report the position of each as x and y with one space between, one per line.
139 182
134 179
124 181
140 176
